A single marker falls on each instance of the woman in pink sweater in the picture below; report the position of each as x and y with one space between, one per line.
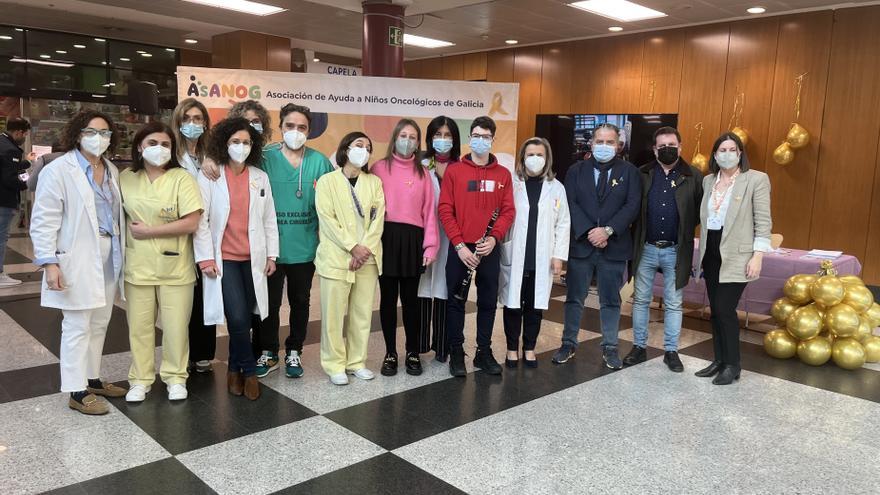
409 242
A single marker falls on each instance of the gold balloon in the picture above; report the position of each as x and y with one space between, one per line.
848 354
872 349
873 315
741 134
814 352
825 334
804 323
783 154
851 280
782 308
859 297
827 290
864 328
797 137
842 320
779 344
819 309
701 162
797 288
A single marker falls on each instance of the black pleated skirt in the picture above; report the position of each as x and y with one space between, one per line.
402 251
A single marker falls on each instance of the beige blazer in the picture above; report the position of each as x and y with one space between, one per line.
747 224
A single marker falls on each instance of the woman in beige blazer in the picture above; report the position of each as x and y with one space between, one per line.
734 235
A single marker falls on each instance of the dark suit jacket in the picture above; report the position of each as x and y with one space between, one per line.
688 195
11 164
618 210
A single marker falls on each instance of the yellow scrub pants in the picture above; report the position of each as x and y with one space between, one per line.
174 303
340 353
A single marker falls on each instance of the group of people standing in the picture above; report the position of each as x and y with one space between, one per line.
210 222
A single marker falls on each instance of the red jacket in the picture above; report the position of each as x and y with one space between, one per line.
469 194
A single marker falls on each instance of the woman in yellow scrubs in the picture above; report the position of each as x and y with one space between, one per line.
162 207
351 215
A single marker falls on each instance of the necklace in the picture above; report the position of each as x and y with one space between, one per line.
719 196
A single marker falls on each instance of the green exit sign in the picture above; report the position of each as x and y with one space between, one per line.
395 36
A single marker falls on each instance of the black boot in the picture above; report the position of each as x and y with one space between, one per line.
636 355
486 361
456 361
727 376
710 370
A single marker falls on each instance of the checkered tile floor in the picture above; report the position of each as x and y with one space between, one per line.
576 428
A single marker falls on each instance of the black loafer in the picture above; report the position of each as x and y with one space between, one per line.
673 361
389 365
710 370
727 376
413 364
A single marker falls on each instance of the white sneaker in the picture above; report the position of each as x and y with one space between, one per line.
137 393
363 374
339 379
7 281
177 391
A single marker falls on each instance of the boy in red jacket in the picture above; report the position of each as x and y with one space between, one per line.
471 191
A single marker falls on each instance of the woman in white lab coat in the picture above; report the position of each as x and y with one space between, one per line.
236 245
76 228
534 249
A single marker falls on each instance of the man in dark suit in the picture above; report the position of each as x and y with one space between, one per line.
604 196
12 182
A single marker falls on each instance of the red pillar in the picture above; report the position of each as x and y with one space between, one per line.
383 39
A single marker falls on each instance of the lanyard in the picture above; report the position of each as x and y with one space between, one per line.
354 198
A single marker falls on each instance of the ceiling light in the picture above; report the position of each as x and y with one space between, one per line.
124 59
190 41
109 85
620 10
45 56
19 29
61 51
246 6
411 39
100 39
99 96
140 51
756 10
316 59
170 50
79 46
104 63
511 42
145 54
4 37
40 62
615 29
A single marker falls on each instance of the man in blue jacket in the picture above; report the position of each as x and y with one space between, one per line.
604 197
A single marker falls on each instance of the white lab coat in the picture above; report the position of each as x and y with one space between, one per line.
433 282
190 165
64 225
551 241
262 236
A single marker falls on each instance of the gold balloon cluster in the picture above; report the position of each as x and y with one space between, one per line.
699 160
824 317
797 136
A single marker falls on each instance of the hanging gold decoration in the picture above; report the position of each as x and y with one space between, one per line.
699 160
783 154
735 124
798 137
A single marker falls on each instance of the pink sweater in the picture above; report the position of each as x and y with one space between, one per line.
409 199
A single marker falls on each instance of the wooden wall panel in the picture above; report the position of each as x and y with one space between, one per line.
751 65
527 72
586 75
804 47
453 68
702 84
661 71
622 75
432 69
195 58
253 51
556 78
871 261
475 66
499 66
277 53
850 132
413 69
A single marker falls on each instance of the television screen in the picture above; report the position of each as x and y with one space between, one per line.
570 134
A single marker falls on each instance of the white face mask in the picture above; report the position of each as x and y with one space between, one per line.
95 145
358 156
294 139
239 152
156 155
535 164
727 159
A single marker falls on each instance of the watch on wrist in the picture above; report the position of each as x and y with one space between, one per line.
459 246
609 231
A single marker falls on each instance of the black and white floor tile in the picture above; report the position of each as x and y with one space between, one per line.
577 428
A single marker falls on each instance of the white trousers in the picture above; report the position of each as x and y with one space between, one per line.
83 332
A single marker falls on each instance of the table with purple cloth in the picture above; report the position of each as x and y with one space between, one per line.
760 294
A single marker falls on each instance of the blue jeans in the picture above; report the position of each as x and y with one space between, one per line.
653 260
6 216
579 275
239 301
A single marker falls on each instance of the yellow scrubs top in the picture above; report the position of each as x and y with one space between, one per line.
162 260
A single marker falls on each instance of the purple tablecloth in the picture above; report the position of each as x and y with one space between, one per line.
760 294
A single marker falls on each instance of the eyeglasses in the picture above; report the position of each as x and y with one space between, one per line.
487 137
91 132
661 146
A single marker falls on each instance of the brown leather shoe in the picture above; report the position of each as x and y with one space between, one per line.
252 387
108 390
235 383
90 405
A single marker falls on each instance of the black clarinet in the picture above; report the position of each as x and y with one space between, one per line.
465 286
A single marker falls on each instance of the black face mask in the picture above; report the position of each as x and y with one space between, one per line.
667 155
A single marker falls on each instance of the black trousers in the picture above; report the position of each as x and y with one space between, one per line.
299 290
432 328
723 300
486 278
407 289
525 319
202 338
